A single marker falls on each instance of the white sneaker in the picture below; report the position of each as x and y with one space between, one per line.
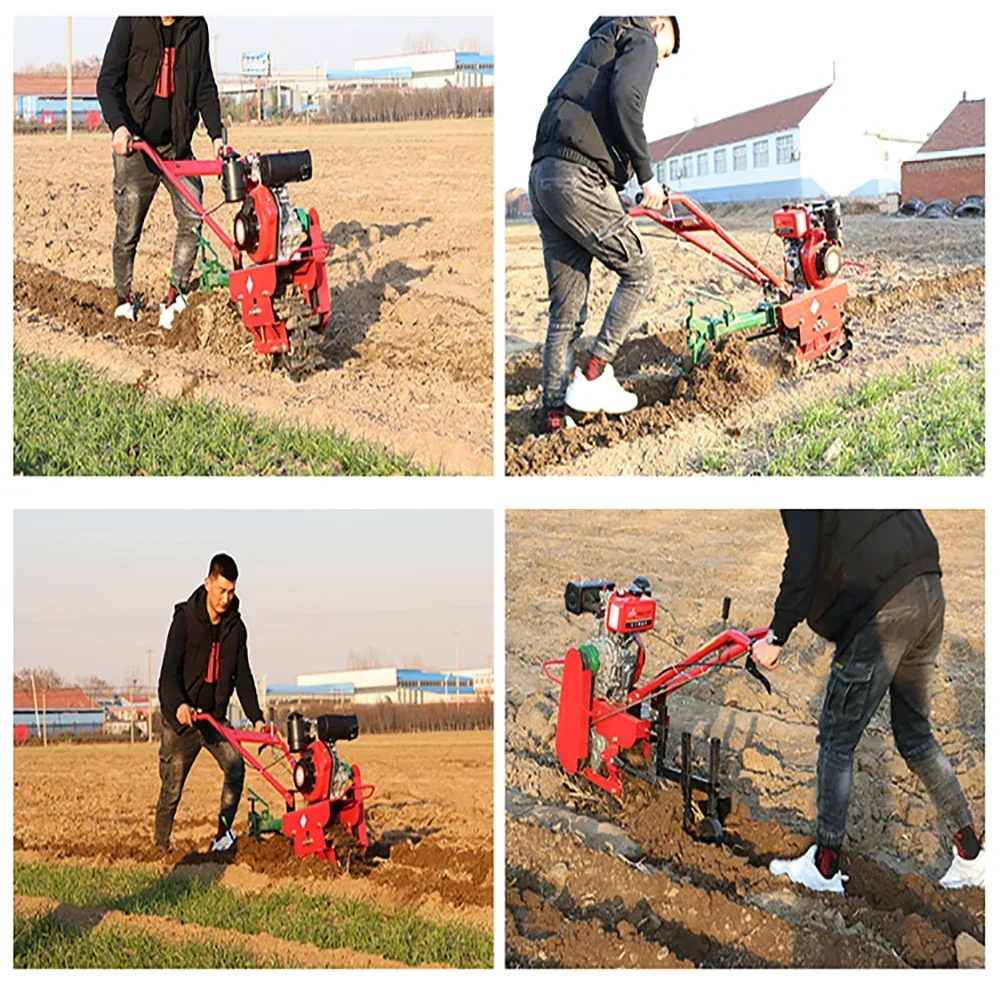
570 422
169 313
224 841
602 393
964 872
803 870
126 311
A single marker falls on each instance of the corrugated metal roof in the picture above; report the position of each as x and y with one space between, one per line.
964 128
746 125
55 698
35 85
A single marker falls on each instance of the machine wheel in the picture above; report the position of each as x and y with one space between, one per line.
306 357
839 354
710 830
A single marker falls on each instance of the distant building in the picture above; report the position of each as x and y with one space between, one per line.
952 162
447 68
517 203
42 99
59 710
792 149
370 685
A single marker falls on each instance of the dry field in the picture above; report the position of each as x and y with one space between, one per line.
431 820
408 352
921 298
569 902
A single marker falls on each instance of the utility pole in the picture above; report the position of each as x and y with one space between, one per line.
149 694
277 71
215 56
69 78
457 661
34 698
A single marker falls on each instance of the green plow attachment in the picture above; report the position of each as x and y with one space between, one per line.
261 822
702 329
211 273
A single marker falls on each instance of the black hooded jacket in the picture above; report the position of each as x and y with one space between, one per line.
128 75
843 566
185 659
594 114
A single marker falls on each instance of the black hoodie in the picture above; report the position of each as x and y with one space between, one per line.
132 61
185 660
594 114
843 566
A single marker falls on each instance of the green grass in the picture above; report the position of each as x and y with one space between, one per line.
325 921
45 943
68 421
923 421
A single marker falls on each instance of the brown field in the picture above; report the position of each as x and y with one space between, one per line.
431 817
570 904
408 351
921 297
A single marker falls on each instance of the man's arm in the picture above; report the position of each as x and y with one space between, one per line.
798 580
171 686
208 92
111 79
630 83
245 687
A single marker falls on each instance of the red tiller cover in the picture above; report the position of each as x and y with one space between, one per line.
573 725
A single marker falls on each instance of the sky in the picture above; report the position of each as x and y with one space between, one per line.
306 42
94 589
901 75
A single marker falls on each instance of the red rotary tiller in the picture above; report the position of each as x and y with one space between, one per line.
804 308
605 711
331 790
282 292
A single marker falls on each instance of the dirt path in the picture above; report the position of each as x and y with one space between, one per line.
407 360
920 298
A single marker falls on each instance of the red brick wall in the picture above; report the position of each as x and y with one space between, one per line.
951 178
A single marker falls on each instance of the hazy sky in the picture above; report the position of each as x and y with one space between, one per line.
903 72
306 42
93 589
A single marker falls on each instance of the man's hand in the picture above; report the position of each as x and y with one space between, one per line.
185 715
119 141
653 195
217 147
259 726
765 654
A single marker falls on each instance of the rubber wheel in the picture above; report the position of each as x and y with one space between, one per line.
710 830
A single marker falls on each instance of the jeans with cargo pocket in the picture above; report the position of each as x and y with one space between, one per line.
581 218
895 652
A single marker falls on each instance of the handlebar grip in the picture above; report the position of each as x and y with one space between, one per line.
751 669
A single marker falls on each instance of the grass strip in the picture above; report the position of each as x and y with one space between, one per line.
325 921
927 420
69 421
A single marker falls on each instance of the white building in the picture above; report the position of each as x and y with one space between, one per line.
370 685
448 68
797 148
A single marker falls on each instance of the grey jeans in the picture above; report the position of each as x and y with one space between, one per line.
581 218
135 184
895 652
177 754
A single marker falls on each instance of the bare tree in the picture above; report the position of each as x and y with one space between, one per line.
90 66
426 41
44 678
370 657
94 685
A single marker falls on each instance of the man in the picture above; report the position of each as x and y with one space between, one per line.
869 581
590 141
204 661
155 80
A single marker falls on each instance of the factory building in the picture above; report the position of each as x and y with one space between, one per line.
42 99
952 162
448 68
57 711
370 685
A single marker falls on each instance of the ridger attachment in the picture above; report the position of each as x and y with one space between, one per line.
282 292
331 790
605 712
804 308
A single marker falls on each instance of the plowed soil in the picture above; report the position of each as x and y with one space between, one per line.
683 901
920 297
430 821
407 356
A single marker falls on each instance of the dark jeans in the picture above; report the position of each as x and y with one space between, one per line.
177 754
135 184
581 218
895 652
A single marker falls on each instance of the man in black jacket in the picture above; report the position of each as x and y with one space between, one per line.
589 143
155 81
205 660
869 581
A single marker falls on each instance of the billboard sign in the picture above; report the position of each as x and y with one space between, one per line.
256 64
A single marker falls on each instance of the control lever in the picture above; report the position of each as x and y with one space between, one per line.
752 670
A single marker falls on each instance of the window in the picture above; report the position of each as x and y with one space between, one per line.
702 164
661 173
783 148
720 161
688 167
760 154
739 157
675 170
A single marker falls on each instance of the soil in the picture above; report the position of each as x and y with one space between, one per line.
407 353
719 905
920 296
430 822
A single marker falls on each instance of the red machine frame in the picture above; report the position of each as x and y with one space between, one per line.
615 722
306 826
253 287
